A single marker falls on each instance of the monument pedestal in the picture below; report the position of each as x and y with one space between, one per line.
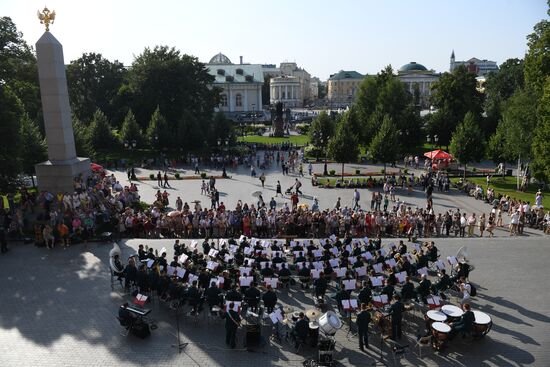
58 176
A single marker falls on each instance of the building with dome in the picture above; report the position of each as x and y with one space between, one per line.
241 85
419 81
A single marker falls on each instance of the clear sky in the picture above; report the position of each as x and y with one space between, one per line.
322 36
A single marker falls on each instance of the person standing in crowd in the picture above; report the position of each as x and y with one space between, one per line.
279 189
356 198
262 179
159 179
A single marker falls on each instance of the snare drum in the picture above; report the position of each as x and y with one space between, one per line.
482 323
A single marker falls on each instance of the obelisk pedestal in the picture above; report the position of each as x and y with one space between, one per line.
57 174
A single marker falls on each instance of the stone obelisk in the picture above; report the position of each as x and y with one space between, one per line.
58 172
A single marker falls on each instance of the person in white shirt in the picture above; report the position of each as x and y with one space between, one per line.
466 289
514 221
471 224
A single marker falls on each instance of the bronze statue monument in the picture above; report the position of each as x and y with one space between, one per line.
278 123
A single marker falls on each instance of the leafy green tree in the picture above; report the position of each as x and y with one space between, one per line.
454 94
11 113
537 59
176 83
220 129
384 94
93 83
130 130
159 134
322 128
343 147
82 139
499 87
99 132
467 144
384 147
541 140
18 68
33 146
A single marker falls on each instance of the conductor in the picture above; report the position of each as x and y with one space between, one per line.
232 323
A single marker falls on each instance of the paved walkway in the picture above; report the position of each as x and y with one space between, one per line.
57 309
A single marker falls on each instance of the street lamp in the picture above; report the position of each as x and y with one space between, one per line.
429 139
253 113
130 144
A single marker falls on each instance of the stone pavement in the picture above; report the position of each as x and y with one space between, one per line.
57 309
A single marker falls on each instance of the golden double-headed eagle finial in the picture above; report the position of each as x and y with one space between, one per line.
46 17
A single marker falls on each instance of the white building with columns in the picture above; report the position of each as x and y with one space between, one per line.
241 84
286 89
418 78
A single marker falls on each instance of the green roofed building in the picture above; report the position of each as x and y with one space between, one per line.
342 87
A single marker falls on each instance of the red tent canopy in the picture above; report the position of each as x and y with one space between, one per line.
96 167
438 154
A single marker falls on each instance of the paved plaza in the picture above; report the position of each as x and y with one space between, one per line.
57 307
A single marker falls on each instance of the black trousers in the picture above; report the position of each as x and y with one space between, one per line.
231 337
396 329
363 338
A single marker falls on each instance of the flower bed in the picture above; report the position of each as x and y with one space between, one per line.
173 178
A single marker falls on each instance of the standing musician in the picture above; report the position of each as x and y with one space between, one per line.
270 299
396 311
407 291
213 295
301 330
365 295
423 289
232 323
252 296
363 321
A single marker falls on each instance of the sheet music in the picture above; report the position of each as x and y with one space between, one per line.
352 260
227 257
346 304
245 281
183 258
340 272
440 265
276 316
434 300
193 245
181 272
318 265
279 265
353 304
241 238
383 252
378 267
332 238
317 253
213 253
361 271
170 270
452 260
423 270
349 284
233 248
349 248
150 263
245 270
249 261
376 281
219 281
335 251
391 262
271 281
236 305
416 246
401 276
315 273
334 262
292 243
367 255
212 265
383 299
247 250
192 278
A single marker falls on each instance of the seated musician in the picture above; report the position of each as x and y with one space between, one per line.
407 291
142 279
270 299
423 289
177 248
305 275
443 283
300 258
126 318
341 295
118 268
234 294
301 330
151 254
402 248
432 252
142 255
462 271
267 272
388 290
465 323
162 260
421 260
365 294
252 295
284 275
213 295
466 290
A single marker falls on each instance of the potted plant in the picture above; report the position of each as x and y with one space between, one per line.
357 172
151 176
177 175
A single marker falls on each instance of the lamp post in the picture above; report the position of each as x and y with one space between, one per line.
253 113
435 139
130 144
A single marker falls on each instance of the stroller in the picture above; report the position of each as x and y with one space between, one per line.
289 190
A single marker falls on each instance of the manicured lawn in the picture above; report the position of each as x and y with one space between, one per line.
294 139
508 187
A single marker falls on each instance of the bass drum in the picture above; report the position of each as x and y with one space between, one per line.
329 323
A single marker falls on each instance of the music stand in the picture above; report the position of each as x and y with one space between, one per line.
180 345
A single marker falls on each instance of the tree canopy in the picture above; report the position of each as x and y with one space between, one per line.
343 147
384 147
467 143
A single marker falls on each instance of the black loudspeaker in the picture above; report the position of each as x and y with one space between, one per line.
141 330
253 335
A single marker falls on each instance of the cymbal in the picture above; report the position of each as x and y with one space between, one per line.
287 310
312 314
